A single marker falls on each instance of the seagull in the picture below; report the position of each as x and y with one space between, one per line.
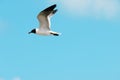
44 20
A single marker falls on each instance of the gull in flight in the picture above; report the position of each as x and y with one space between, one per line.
44 20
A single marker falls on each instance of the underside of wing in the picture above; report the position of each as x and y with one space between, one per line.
44 22
44 16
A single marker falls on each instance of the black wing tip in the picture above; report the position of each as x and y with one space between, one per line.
55 11
50 8
54 5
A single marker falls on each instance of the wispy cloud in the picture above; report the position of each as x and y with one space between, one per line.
96 8
16 78
1 78
106 8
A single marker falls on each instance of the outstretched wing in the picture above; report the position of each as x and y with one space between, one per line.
44 17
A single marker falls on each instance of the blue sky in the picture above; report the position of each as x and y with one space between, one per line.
88 49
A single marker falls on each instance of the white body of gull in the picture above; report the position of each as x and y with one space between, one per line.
44 20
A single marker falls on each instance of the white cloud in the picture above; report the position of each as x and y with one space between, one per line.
1 78
16 78
76 6
106 8
96 8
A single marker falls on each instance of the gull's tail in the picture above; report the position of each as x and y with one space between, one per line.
55 33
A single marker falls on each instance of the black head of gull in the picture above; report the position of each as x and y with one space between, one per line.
32 31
